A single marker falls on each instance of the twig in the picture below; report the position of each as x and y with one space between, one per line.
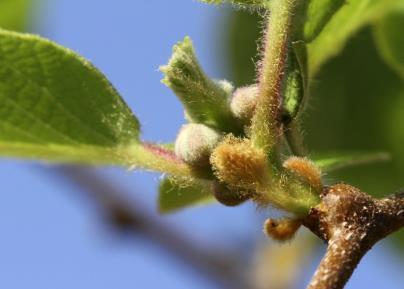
127 216
352 222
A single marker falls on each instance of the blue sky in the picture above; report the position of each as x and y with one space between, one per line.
52 238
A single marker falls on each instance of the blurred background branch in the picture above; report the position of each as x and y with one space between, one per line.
127 215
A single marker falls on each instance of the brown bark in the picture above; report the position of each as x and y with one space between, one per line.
351 222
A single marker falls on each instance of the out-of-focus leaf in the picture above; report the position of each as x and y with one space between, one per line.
388 33
56 106
351 111
293 89
337 161
349 19
179 194
242 46
14 14
317 14
356 103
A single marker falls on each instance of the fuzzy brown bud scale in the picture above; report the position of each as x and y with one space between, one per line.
238 164
306 170
281 230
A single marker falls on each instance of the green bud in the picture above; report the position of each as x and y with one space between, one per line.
243 102
205 100
229 197
195 143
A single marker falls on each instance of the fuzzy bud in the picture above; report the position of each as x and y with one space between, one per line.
205 100
281 230
238 164
195 143
305 169
243 102
229 197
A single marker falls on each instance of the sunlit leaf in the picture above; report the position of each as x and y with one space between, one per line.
56 106
345 22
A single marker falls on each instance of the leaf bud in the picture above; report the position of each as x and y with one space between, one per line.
195 143
238 164
243 102
305 169
229 197
282 229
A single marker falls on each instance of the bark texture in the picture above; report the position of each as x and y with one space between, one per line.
351 222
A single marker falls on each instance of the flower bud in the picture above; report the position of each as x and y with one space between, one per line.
243 102
229 197
238 164
195 143
305 169
281 230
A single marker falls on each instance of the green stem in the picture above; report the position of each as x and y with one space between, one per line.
266 121
294 138
153 157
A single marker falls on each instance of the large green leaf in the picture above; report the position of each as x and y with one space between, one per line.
14 14
179 194
56 106
388 33
345 22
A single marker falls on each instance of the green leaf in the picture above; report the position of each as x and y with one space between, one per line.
317 14
338 161
388 34
293 89
14 14
345 22
205 101
240 49
179 194
56 106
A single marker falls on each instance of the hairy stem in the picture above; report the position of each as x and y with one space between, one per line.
158 158
351 222
266 120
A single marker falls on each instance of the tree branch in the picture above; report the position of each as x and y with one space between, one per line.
128 216
351 222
